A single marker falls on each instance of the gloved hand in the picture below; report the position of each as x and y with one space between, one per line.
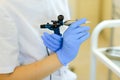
52 41
73 37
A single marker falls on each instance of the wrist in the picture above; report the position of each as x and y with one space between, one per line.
61 57
57 59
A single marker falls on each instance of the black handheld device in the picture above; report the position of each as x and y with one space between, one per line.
56 24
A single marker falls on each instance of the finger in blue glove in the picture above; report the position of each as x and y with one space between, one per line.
73 37
52 41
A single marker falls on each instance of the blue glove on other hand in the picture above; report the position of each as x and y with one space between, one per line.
52 41
73 37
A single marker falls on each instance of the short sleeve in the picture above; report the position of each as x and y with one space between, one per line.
9 50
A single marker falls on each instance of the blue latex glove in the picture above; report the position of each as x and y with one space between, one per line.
52 41
73 37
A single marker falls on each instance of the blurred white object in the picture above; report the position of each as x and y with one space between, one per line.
112 53
98 52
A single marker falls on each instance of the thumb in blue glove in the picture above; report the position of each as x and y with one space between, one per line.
52 41
73 37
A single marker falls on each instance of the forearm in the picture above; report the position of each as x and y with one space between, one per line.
35 71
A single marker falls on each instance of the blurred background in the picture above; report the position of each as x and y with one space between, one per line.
95 11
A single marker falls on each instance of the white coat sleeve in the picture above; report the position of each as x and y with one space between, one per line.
9 50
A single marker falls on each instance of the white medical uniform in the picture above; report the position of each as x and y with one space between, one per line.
20 41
